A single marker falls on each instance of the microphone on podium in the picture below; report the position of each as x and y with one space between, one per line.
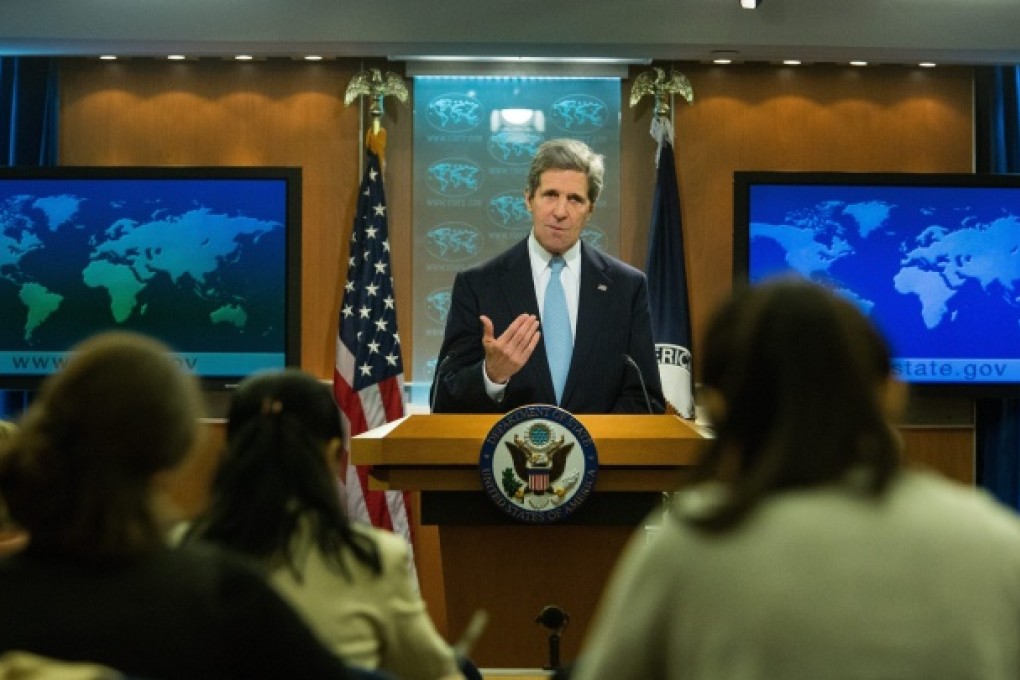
555 620
641 378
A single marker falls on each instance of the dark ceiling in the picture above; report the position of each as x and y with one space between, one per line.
879 31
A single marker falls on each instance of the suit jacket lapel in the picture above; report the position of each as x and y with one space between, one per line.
517 284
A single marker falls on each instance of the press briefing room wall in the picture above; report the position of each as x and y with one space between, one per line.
744 117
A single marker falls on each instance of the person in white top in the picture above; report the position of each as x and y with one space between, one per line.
808 550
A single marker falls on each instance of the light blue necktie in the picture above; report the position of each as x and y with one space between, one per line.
559 338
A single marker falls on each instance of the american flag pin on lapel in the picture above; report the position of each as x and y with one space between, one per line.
602 287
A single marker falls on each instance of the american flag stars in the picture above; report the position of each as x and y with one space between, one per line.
368 312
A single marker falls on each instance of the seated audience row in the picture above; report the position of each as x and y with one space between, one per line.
86 477
805 548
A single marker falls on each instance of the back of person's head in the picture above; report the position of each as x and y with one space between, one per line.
568 154
79 474
795 381
283 433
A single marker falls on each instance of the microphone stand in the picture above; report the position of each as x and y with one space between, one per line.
435 382
555 620
641 379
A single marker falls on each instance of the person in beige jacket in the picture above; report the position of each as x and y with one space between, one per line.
275 500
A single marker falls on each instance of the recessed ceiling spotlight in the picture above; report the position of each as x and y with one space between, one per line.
176 57
724 56
313 57
927 64
108 57
791 62
858 63
244 57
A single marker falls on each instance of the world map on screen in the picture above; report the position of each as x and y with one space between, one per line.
196 274
938 273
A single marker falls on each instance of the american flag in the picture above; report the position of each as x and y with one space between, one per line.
368 380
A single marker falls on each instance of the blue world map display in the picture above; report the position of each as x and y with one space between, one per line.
199 264
937 268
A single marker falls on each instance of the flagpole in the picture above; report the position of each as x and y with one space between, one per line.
368 378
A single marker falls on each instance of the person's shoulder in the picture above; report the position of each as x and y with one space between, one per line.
951 508
385 541
502 260
209 566
953 497
393 548
610 264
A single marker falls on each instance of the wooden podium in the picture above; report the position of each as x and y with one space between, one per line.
511 569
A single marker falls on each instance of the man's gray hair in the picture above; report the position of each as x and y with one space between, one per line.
568 154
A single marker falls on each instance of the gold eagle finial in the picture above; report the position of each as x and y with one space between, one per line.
656 83
377 85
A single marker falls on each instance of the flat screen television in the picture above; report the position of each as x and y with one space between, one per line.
206 259
932 259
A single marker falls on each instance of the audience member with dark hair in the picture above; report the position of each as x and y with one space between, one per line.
275 499
85 476
809 550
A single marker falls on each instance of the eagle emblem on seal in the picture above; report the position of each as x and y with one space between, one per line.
539 464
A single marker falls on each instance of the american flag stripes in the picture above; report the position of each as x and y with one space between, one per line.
368 380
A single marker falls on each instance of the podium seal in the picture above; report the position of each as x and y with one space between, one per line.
538 464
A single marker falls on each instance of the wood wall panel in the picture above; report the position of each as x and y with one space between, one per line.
819 117
146 112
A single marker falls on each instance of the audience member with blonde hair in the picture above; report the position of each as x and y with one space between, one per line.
810 551
96 582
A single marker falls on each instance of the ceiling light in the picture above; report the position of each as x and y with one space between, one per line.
751 4
722 61
927 64
176 57
108 57
313 57
858 63
791 62
243 57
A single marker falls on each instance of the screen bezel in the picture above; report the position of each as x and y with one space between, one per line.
292 178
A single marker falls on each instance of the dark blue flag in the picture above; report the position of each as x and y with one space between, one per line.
667 288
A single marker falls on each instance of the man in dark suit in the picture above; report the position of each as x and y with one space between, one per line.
494 356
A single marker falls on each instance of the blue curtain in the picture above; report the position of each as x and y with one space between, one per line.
28 136
997 138
28 110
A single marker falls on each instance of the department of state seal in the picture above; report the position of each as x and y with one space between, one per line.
538 464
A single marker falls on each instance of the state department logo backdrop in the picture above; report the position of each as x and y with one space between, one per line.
538 464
